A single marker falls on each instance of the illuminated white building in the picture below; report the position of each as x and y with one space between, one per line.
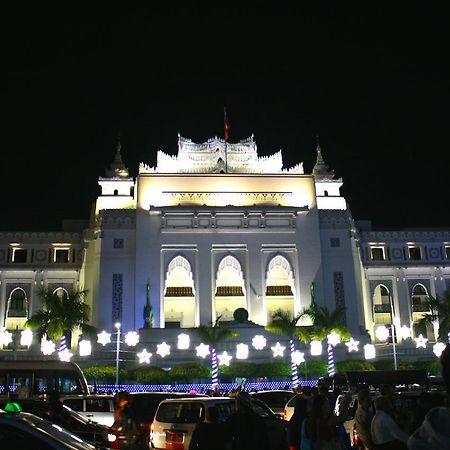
215 228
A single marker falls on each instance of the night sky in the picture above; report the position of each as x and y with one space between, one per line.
371 81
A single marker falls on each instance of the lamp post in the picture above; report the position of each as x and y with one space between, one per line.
117 325
393 333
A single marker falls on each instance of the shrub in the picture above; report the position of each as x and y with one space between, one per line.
313 369
354 364
189 371
274 369
151 375
104 374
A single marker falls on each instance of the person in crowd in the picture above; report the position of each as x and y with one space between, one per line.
434 433
363 419
322 424
296 424
424 404
386 434
244 429
124 425
22 389
208 435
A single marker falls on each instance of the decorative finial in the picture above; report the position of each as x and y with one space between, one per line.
321 169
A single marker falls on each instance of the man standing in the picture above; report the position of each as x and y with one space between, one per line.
363 419
22 389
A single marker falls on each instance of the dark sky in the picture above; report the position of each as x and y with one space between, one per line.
373 82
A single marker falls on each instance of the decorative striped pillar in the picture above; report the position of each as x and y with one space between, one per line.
215 368
330 357
294 370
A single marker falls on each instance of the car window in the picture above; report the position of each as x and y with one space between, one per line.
74 403
261 409
274 399
180 412
291 402
143 407
20 438
97 404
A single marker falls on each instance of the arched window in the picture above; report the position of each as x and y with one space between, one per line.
420 309
61 293
383 308
116 192
17 304
325 193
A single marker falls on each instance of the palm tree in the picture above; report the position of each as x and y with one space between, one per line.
211 336
61 315
439 315
283 324
326 322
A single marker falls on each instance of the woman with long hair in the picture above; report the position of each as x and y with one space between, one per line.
294 429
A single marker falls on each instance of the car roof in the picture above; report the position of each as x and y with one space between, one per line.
197 399
274 391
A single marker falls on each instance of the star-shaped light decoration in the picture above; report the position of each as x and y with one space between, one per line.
144 356
259 342
316 348
184 341
241 351
85 347
404 332
438 348
382 333
334 338
26 337
224 359
278 350
5 337
298 357
163 349
132 339
369 351
47 347
65 355
202 350
352 345
421 341
104 338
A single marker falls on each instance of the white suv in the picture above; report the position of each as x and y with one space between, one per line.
98 408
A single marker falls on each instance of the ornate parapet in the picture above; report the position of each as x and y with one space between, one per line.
117 218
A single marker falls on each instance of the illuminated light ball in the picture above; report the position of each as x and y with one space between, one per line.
5 337
369 351
65 355
298 357
26 337
241 351
316 348
438 348
278 350
382 333
184 341
259 342
104 338
202 350
421 341
224 359
334 338
163 349
144 356
404 332
84 347
47 347
132 338
352 345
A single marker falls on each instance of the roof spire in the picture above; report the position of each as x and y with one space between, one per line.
117 167
321 169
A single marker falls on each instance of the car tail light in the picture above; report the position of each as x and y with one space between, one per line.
113 439
174 440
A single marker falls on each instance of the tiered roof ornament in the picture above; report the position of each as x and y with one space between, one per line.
321 169
117 168
218 156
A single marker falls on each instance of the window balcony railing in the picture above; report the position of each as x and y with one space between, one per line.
382 308
420 308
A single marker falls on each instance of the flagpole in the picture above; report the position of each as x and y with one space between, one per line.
225 135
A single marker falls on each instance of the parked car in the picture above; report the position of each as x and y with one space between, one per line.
70 420
99 408
276 400
175 421
24 430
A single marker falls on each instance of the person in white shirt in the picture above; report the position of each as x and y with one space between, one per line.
22 389
386 434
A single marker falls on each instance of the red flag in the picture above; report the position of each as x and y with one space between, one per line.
226 124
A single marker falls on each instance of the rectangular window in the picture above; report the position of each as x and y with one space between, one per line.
19 255
377 253
415 253
335 242
61 255
447 252
118 243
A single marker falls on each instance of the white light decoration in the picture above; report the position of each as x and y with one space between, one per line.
369 351
184 341
241 351
47 347
278 350
144 356
84 347
65 355
259 342
316 348
421 341
352 345
438 348
132 339
298 357
382 333
202 350
404 332
163 349
104 338
5 337
334 338
26 337
224 359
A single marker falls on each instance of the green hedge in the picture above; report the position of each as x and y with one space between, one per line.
104 374
151 375
253 370
354 364
189 371
313 369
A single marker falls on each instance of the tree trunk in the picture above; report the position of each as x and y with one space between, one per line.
214 369
294 370
330 360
